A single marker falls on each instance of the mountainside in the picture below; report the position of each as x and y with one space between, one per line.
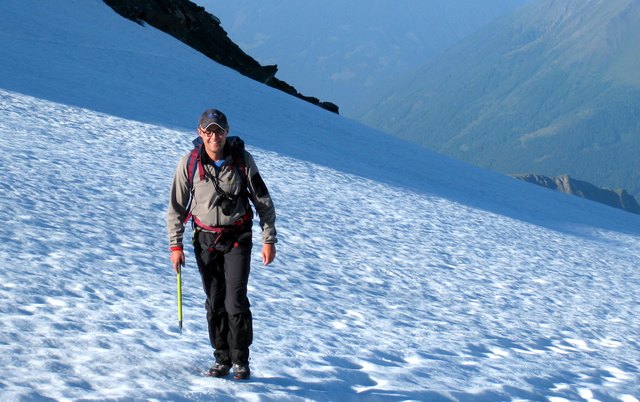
553 88
192 25
345 51
401 274
614 198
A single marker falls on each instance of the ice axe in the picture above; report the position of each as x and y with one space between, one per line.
179 283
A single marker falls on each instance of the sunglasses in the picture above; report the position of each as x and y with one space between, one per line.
218 131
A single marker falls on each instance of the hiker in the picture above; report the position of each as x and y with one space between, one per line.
212 186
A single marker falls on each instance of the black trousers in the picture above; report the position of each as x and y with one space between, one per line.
225 275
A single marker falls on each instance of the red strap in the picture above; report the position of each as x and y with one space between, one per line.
215 229
186 220
193 162
219 229
243 219
191 165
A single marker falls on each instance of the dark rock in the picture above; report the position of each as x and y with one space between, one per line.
615 198
202 31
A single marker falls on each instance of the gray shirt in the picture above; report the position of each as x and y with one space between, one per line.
205 204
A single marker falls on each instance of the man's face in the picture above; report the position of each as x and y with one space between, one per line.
214 138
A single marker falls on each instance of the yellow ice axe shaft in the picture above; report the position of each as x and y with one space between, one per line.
179 280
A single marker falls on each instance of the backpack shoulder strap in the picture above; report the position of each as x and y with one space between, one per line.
236 145
194 162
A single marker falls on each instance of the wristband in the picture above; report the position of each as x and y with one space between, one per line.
175 248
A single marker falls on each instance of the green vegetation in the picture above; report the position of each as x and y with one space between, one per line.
547 90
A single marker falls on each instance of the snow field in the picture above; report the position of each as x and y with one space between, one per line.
377 293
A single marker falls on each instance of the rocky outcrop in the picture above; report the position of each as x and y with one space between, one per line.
202 31
615 198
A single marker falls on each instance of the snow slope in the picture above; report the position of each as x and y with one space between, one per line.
400 275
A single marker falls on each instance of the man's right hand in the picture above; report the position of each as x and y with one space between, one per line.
177 260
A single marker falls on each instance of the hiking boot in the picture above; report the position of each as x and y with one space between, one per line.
241 372
218 370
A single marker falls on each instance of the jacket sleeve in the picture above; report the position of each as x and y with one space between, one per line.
261 199
178 204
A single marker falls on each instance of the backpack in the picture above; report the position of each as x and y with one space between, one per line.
236 147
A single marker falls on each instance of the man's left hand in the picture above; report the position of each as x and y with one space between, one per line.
268 253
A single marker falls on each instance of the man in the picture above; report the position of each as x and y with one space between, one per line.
213 186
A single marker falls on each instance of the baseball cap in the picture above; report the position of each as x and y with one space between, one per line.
213 116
